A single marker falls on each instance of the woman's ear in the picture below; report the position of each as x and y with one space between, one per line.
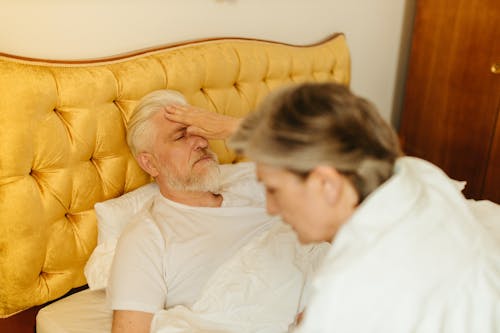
147 163
330 181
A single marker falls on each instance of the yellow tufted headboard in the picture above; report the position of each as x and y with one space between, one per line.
63 148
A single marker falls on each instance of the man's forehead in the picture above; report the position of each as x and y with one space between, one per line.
174 126
168 125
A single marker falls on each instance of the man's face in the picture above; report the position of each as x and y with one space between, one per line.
183 162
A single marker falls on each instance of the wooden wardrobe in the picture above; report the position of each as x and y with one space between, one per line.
452 99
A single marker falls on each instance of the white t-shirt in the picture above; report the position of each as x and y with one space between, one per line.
167 254
416 256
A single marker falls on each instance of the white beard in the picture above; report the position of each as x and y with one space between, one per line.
208 181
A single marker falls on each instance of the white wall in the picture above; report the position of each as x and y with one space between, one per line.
376 30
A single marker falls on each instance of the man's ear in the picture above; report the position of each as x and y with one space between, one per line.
330 182
147 163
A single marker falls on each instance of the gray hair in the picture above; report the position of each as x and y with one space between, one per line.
140 131
303 126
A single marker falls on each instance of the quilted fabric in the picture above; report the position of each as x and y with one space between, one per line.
63 148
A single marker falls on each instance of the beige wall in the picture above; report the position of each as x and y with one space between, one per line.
377 31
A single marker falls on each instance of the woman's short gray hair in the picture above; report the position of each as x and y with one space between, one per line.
303 126
140 131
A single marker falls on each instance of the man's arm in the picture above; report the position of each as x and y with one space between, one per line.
201 122
136 287
131 321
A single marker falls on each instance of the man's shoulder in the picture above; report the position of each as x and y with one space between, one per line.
142 224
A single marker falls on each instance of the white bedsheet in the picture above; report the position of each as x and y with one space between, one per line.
82 312
260 289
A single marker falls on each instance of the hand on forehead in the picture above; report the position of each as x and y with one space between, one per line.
167 125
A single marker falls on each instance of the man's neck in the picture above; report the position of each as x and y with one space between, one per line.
193 198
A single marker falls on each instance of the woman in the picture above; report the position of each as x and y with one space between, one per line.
409 253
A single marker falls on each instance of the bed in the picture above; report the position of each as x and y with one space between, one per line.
63 149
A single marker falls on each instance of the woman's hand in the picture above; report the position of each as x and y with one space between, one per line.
201 122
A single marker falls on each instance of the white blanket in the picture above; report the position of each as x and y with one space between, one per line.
260 289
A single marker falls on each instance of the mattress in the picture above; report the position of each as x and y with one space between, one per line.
82 312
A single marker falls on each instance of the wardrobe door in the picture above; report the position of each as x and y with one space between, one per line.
452 96
491 187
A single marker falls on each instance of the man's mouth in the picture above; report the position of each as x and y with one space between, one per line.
205 158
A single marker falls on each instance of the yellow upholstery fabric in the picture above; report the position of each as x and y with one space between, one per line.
63 148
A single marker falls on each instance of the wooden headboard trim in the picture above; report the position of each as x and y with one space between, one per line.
149 51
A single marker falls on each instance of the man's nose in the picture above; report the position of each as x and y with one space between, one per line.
198 142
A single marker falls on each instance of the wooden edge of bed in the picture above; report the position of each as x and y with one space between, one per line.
25 321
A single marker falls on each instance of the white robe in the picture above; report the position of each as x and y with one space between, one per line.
416 256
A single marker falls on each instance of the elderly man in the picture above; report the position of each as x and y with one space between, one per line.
192 226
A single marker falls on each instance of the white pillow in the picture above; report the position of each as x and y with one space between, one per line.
112 217
98 266
114 214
